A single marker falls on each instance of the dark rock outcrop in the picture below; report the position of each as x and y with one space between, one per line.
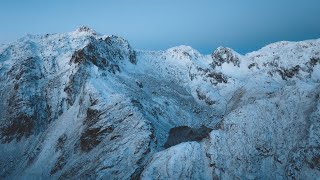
224 55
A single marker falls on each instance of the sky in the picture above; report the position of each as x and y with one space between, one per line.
245 25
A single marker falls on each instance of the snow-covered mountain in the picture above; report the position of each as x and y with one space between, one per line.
82 105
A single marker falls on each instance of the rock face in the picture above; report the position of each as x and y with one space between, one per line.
84 105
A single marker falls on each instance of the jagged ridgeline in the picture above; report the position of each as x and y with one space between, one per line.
86 105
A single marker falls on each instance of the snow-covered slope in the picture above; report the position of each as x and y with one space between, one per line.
84 105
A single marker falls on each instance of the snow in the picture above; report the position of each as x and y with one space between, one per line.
186 158
264 122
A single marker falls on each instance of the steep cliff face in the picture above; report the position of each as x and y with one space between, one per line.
81 104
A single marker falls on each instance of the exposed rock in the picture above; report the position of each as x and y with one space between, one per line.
91 137
289 73
217 77
253 65
224 55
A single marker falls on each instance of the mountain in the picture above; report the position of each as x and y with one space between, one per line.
81 105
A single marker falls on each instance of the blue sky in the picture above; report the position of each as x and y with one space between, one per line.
244 25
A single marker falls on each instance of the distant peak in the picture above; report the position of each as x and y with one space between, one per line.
181 48
86 30
224 54
183 51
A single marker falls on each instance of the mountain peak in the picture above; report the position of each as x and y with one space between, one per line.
224 54
183 51
85 30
